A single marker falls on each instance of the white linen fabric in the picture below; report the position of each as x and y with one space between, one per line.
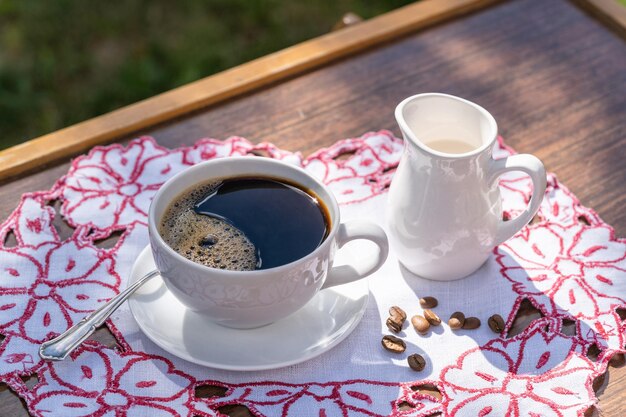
568 264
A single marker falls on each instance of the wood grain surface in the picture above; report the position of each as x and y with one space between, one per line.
230 83
553 77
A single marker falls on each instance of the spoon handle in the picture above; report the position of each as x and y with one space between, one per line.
58 348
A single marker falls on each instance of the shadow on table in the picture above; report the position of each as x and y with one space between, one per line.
503 286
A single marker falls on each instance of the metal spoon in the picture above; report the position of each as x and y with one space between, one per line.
58 348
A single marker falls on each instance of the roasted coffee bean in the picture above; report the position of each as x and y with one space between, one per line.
429 302
396 319
416 362
420 324
496 323
471 323
432 318
393 344
395 311
394 324
457 319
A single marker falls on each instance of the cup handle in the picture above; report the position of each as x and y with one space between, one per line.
532 166
353 230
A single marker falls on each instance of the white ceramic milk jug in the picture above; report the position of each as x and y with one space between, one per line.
444 212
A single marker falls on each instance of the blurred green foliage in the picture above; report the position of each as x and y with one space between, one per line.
64 61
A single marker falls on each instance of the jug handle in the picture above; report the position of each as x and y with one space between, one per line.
532 166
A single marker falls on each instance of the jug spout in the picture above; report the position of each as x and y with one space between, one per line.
442 124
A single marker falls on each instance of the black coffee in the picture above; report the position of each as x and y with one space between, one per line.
245 223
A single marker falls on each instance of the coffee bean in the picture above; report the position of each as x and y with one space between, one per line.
420 324
393 344
457 319
429 302
471 323
432 318
416 362
394 324
496 323
395 311
396 319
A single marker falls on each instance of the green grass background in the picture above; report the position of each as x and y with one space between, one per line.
64 61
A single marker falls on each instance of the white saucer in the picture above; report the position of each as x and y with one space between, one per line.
317 327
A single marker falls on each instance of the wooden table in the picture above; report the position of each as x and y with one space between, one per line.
553 76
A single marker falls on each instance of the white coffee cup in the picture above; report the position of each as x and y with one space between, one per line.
248 299
444 209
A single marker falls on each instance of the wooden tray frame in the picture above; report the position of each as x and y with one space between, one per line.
230 83
245 78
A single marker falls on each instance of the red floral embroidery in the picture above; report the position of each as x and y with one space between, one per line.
570 265
268 399
113 186
573 274
547 374
98 381
42 296
350 179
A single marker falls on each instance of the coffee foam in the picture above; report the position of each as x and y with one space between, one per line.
203 239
